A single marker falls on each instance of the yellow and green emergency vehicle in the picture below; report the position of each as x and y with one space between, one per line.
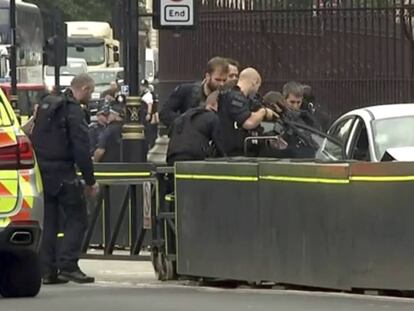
21 209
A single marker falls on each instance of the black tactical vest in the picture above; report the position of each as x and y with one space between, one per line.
187 142
49 137
233 135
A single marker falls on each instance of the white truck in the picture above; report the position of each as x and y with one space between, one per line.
151 65
94 42
74 66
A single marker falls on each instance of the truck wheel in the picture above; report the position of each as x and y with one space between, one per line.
21 277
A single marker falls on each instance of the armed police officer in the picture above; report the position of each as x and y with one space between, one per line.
293 93
236 117
196 135
192 95
60 139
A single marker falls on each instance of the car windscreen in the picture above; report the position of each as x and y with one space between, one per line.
103 77
93 53
71 69
392 133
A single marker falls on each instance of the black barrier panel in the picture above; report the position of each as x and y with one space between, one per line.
324 225
218 220
381 227
302 211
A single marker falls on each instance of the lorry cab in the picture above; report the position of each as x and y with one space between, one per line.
94 42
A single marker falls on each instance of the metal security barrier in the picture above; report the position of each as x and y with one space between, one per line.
164 239
339 226
134 186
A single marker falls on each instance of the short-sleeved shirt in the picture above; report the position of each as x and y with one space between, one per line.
233 111
147 98
110 141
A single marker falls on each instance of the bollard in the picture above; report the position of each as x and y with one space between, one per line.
158 153
134 147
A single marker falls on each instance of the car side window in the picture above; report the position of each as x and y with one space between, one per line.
360 144
342 130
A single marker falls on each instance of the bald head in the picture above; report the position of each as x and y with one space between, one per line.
250 74
250 81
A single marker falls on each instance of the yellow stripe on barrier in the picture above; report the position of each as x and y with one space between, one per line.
121 174
216 177
60 235
306 179
381 178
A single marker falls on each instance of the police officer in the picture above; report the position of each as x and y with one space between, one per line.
234 70
97 128
309 104
149 110
109 143
196 135
192 95
293 93
236 118
60 139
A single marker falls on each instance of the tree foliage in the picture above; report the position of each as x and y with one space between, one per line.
78 10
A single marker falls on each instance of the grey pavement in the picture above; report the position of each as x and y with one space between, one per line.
131 286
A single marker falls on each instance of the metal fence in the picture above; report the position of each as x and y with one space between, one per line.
353 53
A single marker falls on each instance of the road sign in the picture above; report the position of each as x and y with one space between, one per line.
175 14
125 90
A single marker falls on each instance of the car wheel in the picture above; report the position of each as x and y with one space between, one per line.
21 276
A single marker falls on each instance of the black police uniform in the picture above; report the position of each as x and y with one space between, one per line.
184 97
233 111
60 140
195 135
320 118
110 141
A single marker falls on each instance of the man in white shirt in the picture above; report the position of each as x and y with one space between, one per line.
150 110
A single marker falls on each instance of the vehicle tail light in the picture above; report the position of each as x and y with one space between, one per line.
18 156
26 157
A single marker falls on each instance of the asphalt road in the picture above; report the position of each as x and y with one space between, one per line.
131 286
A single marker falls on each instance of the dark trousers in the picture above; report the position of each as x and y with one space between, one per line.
65 212
151 133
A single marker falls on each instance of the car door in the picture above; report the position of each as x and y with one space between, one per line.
359 142
340 131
